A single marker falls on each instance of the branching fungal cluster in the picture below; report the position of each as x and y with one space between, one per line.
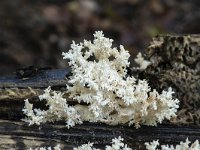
104 92
118 144
100 80
182 146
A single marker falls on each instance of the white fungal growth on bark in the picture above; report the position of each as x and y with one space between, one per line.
141 61
182 146
100 80
118 144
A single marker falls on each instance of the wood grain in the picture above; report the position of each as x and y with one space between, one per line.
18 135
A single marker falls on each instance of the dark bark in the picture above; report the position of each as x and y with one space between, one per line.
40 79
21 136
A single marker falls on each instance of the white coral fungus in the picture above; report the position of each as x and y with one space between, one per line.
182 146
117 144
100 80
58 110
57 147
141 61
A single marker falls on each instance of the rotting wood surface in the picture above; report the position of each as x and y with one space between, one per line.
17 135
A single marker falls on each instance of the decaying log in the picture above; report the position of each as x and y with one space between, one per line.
165 71
20 136
176 63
